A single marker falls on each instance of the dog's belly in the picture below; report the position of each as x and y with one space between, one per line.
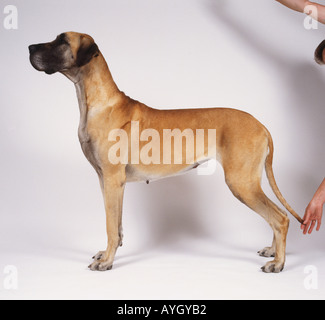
134 174
141 172
138 173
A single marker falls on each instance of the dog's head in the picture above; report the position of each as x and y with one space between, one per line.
69 50
320 53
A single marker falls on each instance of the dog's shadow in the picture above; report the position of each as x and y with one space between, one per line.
171 211
182 215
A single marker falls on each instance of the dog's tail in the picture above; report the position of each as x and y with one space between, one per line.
270 176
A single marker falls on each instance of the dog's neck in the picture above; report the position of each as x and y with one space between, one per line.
95 82
95 88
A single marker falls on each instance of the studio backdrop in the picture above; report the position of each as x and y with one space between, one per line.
256 56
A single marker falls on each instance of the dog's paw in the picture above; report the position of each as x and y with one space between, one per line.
267 252
100 262
100 266
273 267
99 255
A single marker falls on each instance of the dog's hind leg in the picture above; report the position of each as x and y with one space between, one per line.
253 196
268 251
243 176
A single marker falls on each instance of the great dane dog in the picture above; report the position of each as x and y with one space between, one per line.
241 144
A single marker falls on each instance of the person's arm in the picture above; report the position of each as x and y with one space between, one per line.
314 211
300 5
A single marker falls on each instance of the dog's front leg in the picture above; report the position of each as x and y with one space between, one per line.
113 184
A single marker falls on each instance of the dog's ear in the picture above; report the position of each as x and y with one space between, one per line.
320 53
87 50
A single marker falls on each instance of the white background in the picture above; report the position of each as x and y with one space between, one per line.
185 237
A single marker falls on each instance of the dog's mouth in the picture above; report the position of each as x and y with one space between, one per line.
39 64
40 59
49 71
36 62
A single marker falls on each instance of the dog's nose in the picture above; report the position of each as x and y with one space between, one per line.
32 48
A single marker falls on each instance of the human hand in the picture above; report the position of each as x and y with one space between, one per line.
313 215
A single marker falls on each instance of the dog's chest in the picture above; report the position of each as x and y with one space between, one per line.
88 148
87 145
